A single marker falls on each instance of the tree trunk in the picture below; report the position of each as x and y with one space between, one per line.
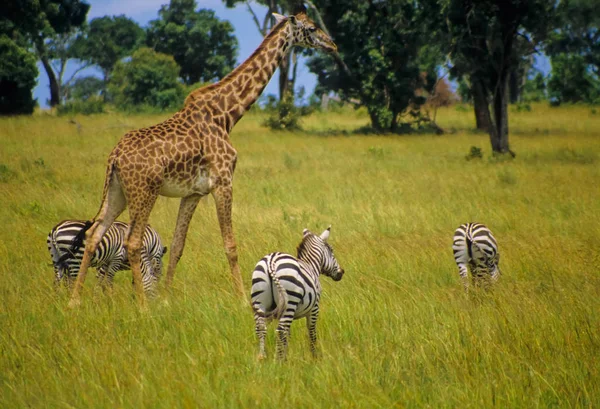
284 72
54 87
514 87
499 138
483 120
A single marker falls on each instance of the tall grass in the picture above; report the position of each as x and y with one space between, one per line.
397 331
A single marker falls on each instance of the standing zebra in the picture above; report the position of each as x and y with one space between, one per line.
287 288
66 243
475 246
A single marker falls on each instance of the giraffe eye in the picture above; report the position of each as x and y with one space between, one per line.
312 29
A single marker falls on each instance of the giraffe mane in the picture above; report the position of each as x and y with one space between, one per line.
192 96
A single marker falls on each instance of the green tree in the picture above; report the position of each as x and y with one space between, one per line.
149 78
574 50
18 73
41 22
84 88
383 52
107 40
203 46
487 41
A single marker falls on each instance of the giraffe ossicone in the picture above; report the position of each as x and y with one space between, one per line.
190 155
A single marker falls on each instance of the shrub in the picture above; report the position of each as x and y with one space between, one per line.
92 105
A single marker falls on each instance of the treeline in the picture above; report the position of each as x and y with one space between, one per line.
392 54
140 67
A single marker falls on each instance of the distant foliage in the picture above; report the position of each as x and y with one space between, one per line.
148 79
18 74
92 105
571 81
84 88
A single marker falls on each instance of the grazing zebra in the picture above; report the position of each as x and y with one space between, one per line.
66 243
287 288
475 246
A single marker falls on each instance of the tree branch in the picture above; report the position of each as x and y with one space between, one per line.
255 18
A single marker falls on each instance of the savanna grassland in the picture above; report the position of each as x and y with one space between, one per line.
397 331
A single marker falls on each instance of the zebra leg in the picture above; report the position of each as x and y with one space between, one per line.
283 330
311 325
261 334
187 207
223 196
464 276
113 205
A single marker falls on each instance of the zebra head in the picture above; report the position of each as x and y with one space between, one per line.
328 263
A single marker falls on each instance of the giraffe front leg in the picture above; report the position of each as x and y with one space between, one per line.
223 196
311 325
187 207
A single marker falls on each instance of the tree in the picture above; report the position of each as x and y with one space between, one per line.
106 41
18 73
382 46
84 88
264 25
43 20
486 41
149 78
203 46
574 50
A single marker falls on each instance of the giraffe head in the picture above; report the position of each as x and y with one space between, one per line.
305 32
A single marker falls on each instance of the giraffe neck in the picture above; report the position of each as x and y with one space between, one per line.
236 92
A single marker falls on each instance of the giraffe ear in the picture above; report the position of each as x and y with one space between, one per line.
278 17
325 234
305 232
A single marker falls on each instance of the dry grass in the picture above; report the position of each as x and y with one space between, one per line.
397 331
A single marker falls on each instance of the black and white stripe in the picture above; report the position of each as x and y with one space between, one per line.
475 247
66 244
286 288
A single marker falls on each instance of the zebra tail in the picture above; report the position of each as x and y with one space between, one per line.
78 240
281 298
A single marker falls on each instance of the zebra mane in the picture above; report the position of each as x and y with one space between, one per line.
307 240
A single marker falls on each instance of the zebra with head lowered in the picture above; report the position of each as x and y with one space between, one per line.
66 243
475 247
288 288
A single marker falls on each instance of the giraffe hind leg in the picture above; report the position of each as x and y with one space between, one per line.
113 204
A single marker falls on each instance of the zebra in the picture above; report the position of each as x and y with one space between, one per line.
288 288
66 243
475 246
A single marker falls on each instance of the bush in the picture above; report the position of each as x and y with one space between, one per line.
92 105
283 115
148 79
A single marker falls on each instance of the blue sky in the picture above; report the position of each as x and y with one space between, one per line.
248 37
142 11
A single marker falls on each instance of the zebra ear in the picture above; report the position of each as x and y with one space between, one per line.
278 17
305 232
325 234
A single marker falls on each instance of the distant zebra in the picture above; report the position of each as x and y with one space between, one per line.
288 288
475 246
66 244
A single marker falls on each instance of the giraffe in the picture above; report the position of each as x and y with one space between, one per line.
190 155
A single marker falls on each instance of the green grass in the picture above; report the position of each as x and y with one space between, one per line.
397 331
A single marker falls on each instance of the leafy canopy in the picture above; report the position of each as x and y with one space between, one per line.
384 47
203 46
